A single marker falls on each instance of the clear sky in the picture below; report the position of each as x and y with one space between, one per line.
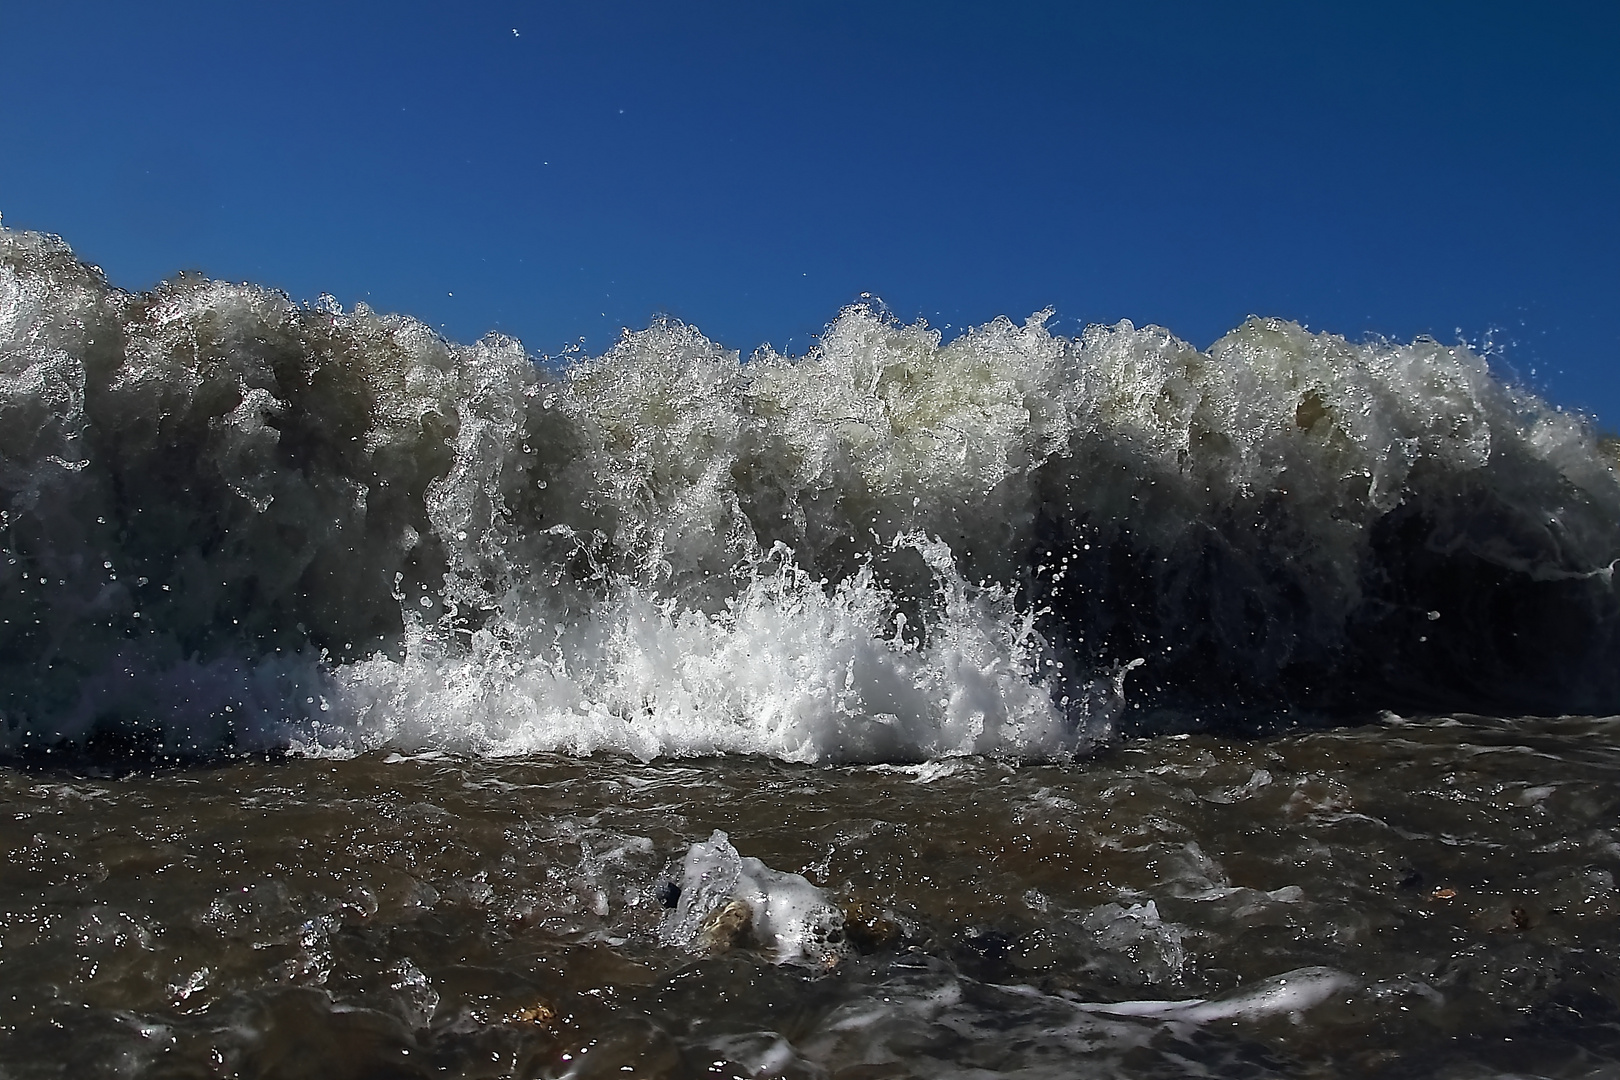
558 171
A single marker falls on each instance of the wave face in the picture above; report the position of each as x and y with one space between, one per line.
232 523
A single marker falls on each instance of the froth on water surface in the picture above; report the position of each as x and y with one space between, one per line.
1410 898
232 523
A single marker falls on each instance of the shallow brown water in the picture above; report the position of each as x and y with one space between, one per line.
1439 896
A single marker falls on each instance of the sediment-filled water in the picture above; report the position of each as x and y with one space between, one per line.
373 705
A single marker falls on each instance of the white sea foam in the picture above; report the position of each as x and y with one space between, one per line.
789 667
781 914
1292 992
895 547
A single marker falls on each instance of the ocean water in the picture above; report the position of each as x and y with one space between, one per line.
374 705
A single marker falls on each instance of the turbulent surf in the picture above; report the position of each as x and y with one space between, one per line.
1015 704
231 522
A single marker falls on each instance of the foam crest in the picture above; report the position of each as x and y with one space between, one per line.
894 546
789 668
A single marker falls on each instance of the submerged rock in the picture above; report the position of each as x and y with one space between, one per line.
728 900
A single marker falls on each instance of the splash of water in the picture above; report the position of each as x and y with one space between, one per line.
232 522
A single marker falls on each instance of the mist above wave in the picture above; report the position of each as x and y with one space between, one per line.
230 521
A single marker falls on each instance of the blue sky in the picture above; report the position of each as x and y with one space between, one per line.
559 171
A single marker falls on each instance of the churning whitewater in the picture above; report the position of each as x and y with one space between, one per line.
233 523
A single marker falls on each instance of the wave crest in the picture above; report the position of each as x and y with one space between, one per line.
665 549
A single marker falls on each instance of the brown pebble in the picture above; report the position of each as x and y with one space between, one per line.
538 1013
729 927
1443 893
868 927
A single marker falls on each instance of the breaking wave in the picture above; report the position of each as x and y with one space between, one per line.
234 523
